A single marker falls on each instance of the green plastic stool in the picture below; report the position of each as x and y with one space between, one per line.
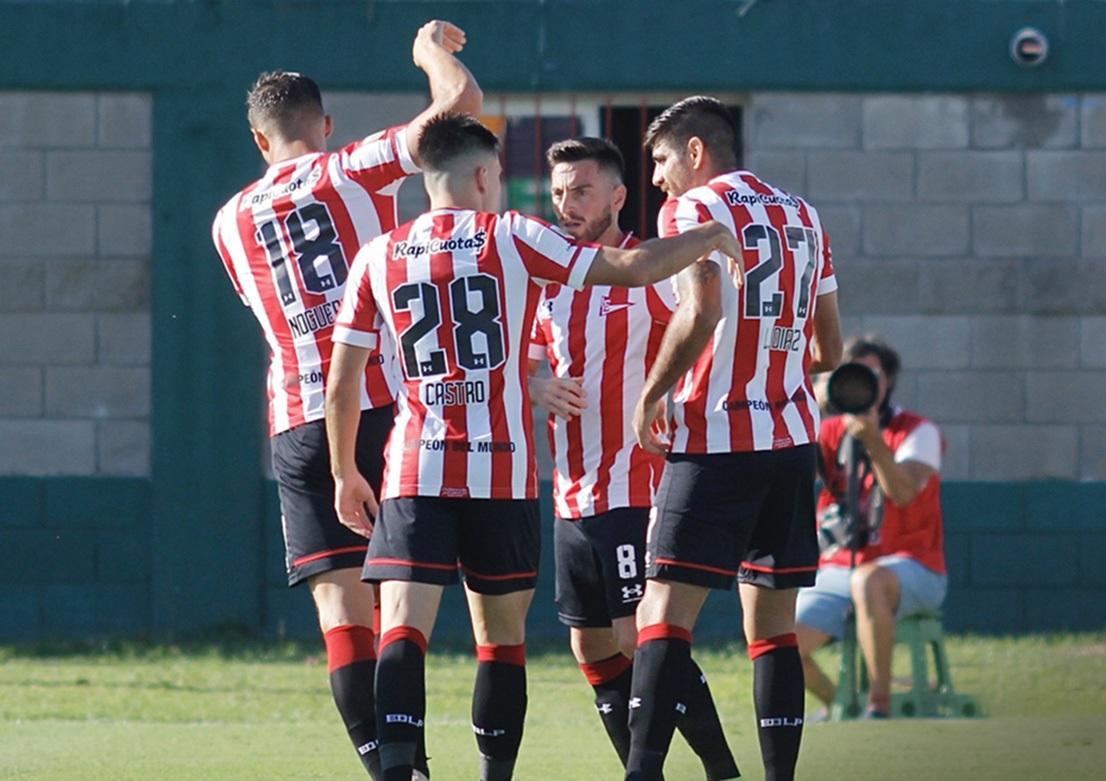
922 633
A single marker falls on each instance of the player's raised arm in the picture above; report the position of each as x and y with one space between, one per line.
657 259
453 88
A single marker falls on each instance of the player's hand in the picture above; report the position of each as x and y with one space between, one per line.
660 423
437 34
728 246
355 503
563 396
646 425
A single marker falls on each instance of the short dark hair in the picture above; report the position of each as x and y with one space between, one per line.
863 346
449 136
281 101
700 116
601 150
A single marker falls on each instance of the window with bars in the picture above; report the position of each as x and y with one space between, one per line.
529 124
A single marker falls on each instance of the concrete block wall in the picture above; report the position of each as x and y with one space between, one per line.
969 230
75 216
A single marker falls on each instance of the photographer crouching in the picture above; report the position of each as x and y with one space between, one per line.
883 552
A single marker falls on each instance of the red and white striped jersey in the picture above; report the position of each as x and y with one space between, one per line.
607 338
286 242
750 389
457 291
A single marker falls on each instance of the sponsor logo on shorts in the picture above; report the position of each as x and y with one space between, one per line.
635 702
365 748
632 593
681 708
605 708
782 721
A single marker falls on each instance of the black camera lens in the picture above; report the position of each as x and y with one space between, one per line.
853 388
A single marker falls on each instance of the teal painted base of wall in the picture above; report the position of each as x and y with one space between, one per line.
1023 557
76 557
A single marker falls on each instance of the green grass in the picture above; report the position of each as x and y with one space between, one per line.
247 711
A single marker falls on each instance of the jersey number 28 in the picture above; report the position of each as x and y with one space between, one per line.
477 333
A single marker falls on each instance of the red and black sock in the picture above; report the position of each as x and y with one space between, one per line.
702 729
657 697
351 662
610 678
400 700
499 708
778 693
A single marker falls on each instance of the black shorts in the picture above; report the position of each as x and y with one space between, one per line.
495 542
315 541
600 566
749 515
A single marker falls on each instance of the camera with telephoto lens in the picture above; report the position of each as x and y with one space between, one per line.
852 388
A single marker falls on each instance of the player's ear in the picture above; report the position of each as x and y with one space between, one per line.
328 126
619 199
261 140
481 175
696 152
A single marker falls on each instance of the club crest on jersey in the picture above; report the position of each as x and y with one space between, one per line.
404 250
608 307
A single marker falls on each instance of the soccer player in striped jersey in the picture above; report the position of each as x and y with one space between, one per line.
455 291
286 242
600 343
737 497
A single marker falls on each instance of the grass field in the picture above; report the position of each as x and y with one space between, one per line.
251 711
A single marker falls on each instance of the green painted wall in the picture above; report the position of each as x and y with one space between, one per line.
556 44
1022 557
184 550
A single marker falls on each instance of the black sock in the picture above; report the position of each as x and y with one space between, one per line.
657 696
400 700
422 762
778 693
499 708
351 661
610 678
702 729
